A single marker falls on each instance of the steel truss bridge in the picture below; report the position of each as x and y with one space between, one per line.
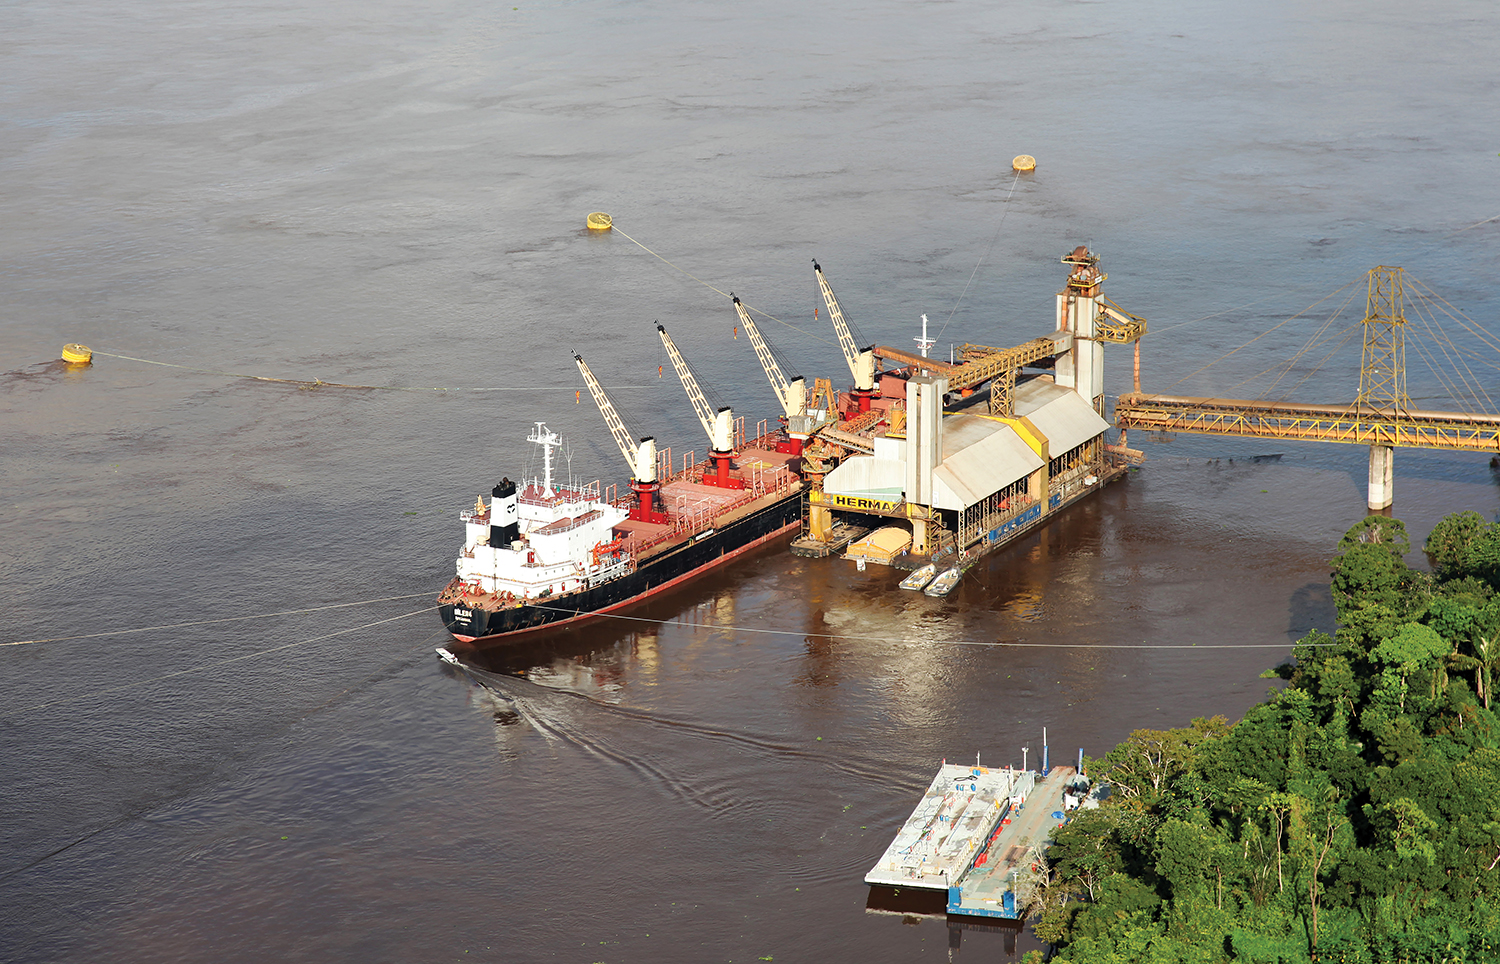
1380 417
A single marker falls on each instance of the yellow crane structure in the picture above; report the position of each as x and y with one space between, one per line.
1085 319
1381 415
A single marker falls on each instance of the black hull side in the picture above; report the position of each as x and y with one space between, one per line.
483 626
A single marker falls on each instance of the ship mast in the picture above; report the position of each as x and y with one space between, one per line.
548 441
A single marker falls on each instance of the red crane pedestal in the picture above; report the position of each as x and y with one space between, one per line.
645 509
720 476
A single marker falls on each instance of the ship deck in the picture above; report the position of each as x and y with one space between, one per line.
988 889
940 839
694 507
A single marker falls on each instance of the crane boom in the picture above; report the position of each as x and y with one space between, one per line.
792 394
641 461
719 425
861 361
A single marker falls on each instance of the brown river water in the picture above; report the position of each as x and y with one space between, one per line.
394 196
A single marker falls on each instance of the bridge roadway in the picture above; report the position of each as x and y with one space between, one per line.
1360 425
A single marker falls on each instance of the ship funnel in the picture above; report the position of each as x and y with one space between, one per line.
505 526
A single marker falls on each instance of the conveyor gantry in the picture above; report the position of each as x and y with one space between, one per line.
998 366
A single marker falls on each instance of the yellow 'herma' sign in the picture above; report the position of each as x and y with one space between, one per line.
858 503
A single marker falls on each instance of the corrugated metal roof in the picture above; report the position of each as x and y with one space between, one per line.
980 457
1059 413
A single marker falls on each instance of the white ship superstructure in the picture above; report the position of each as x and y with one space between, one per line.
540 540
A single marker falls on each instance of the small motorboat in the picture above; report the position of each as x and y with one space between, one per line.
447 657
944 583
920 578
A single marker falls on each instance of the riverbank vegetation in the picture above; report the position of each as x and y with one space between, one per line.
1353 816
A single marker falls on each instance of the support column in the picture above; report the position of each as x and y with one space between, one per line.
1036 487
1382 477
819 522
919 545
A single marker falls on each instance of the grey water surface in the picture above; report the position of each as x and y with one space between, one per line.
393 196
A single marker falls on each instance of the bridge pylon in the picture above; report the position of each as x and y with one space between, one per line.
1382 379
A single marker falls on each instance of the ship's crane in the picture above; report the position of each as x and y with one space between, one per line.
719 425
640 457
861 360
792 393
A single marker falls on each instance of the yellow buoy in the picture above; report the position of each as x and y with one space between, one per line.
77 354
599 221
1023 162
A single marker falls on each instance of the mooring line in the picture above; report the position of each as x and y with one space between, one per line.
982 258
712 287
139 813
214 664
318 383
1474 225
935 642
226 619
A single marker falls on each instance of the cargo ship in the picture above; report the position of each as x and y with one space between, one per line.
540 554
543 555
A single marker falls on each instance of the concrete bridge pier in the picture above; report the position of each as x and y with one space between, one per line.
1382 477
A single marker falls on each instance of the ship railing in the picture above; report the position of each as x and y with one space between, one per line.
692 520
766 436
765 479
469 515
588 492
684 522
993 513
591 515
623 566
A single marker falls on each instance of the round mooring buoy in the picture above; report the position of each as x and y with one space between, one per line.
1023 162
599 221
77 354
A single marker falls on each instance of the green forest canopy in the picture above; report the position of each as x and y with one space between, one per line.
1353 816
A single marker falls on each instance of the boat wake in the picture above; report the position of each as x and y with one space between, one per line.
649 746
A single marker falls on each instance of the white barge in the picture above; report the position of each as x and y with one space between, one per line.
958 812
979 835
